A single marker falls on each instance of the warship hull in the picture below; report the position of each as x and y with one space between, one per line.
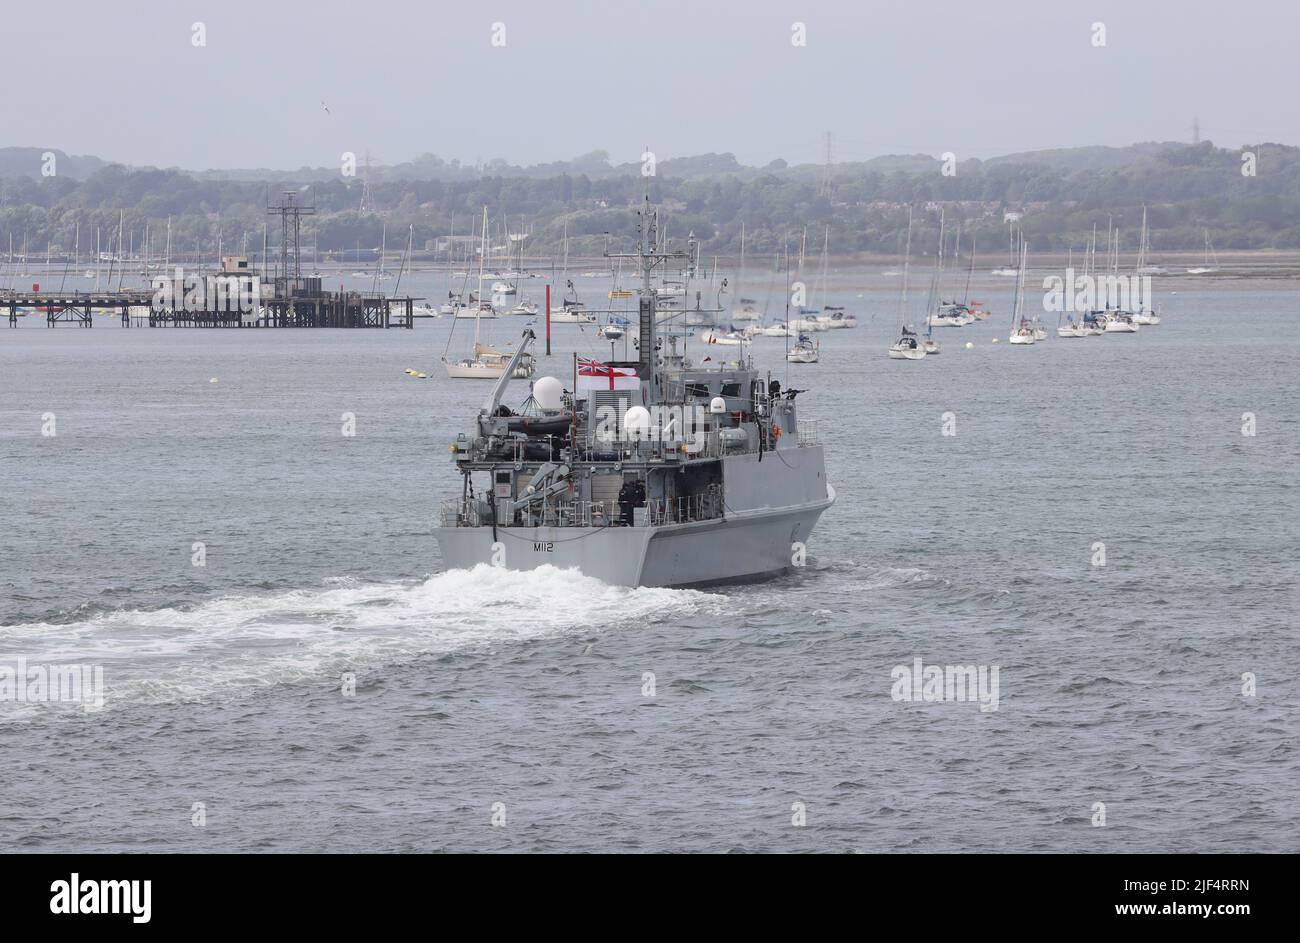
735 548
747 542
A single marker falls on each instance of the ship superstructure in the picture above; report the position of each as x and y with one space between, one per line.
654 472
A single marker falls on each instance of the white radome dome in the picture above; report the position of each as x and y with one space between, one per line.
636 422
548 392
717 405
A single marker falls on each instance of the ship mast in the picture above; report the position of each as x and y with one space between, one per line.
649 256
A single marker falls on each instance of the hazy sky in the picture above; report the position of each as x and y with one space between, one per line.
980 77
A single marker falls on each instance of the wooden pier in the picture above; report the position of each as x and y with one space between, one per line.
341 309
71 307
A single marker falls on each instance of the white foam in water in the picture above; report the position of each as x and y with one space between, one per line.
235 643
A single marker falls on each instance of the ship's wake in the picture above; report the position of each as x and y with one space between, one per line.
234 644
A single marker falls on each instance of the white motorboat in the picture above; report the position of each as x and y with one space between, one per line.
729 338
525 308
836 319
746 310
777 330
1149 318
503 288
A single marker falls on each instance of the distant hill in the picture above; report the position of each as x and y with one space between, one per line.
1060 195
594 165
1088 158
27 162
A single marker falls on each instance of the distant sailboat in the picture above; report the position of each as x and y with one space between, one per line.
486 362
804 351
746 309
942 313
1211 259
1144 266
908 346
1009 270
1022 332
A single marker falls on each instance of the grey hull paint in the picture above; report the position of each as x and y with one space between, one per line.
747 542
743 545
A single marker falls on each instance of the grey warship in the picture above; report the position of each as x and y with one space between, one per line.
674 473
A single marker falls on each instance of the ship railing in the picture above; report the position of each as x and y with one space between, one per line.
807 432
468 512
684 509
459 512
565 514
704 441
708 445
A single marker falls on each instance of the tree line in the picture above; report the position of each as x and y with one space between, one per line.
1186 190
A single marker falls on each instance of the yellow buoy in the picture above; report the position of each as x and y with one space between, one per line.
995 340
970 345
213 380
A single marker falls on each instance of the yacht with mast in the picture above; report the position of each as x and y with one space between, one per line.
745 309
805 350
652 472
908 346
1145 314
1022 331
1211 259
485 361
